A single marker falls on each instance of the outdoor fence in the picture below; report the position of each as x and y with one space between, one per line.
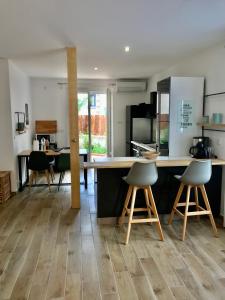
98 124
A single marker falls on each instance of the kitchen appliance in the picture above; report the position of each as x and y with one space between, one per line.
200 150
201 139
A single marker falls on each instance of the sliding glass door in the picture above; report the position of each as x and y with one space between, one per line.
92 117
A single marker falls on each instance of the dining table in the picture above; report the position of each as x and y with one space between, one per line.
23 158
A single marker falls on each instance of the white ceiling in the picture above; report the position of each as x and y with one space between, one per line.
159 32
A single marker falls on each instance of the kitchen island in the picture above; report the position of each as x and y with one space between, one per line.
111 189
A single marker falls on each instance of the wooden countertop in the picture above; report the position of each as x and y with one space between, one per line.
126 162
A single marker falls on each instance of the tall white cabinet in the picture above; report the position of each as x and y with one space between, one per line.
180 105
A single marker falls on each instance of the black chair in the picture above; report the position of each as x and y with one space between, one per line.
62 164
38 161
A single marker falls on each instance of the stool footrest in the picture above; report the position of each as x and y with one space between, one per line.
198 213
138 209
194 213
184 204
148 220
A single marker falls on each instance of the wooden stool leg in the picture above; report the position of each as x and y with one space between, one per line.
121 218
186 212
205 198
196 201
151 198
147 204
175 203
48 180
131 213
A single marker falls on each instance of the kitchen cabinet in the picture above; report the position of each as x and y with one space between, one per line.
140 124
179 109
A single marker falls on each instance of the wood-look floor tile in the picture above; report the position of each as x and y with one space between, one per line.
51 252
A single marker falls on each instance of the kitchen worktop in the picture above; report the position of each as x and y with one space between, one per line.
126 162
147 147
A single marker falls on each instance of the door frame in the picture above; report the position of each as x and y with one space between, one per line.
108 116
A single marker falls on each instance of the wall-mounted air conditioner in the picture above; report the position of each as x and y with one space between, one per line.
129 86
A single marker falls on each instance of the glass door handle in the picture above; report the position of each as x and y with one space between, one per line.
74 140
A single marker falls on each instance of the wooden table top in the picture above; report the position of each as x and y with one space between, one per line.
52 152
48 152
127 162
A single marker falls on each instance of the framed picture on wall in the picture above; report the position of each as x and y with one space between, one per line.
26 114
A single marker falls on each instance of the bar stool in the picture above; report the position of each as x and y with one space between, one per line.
141 176
195 176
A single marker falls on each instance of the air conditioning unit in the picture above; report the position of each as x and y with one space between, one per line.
130 86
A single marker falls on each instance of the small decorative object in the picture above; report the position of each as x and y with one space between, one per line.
27 114
47 144
217 118
150 154
43 146
20 126
35 144
205 119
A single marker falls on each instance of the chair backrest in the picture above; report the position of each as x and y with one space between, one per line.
142 174
38 161
198 172
62 162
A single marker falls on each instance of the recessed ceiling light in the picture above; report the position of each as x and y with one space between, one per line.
127 48
96 68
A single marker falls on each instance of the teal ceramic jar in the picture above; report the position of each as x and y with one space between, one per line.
217 118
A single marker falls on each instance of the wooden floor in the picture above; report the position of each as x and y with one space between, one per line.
48 251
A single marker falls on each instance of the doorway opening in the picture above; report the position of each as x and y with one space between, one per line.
92 118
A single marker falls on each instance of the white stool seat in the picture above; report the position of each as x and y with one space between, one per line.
195 176
141 176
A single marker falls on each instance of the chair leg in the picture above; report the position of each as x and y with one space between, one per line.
151 198
121 218
34 177
179 193
60 180
52 173
186 212
197 202
147 204
31 179
205 198
131 214
48 180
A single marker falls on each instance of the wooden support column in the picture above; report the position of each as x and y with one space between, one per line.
73 125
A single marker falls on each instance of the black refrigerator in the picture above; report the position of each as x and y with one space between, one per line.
141 124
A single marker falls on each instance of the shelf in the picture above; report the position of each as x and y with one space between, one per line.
214 94
21 132
212 125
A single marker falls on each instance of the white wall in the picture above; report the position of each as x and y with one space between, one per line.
210 64
19 95
119 103
6 148
50 102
